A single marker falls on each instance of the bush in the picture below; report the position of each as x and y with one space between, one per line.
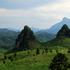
68 50
3 61
11 59
56 50
50 50
5 57
28 52
59 62
46 50
43 52
37 51
33 54
15 54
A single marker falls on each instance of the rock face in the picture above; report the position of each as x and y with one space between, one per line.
26 39
63 32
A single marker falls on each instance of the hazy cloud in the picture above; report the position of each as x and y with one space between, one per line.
39 13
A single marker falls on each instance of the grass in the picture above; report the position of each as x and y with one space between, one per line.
25 60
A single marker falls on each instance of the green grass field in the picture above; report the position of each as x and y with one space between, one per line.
28 60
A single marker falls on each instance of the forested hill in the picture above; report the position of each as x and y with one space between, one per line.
7 38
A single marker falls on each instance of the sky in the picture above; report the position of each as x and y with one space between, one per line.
42 14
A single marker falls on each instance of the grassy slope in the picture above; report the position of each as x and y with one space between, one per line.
26 61
65 42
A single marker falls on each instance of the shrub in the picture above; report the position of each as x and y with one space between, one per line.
3 61
68 50
33 54
43 52
11 59
28 52
50 50
56 50
15 54
59 62
5 57
37 51
46 50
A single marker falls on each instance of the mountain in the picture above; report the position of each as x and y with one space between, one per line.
35 30
49 34
55 28
44 36
63 32
62 38
7 38
26 39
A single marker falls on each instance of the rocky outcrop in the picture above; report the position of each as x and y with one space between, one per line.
63 32
26 39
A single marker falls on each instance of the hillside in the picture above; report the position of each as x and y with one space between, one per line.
29 60
7 38
44 36
59 43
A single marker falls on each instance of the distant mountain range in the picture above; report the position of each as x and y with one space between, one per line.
55 28
46 35
8 37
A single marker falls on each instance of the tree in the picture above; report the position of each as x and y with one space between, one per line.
3 61
5 57
15 55
46 50
59 62
37 51
68 50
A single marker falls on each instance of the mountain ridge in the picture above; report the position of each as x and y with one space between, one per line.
8 37
55 28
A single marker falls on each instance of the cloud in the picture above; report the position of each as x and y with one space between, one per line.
59 8
41 16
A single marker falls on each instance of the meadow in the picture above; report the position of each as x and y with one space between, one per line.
30 60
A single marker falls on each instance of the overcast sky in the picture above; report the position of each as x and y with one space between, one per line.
35 13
